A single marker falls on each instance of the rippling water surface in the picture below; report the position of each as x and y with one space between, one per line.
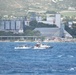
59 60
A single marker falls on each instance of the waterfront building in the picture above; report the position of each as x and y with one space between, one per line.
18 26
58 20
50 32
15 26
7 25
51 19
62 30
54 19
2 26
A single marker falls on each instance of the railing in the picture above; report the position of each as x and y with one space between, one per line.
12 38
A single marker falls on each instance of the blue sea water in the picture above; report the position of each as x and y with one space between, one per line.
59 60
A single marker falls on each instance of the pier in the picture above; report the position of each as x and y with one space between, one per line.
20 38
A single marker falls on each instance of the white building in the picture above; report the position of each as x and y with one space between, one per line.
70 24
58 20
26 23
51 19
38 18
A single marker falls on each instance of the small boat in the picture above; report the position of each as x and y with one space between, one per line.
37 46
41 46
23 47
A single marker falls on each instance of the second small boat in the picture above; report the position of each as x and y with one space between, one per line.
41 46
23 47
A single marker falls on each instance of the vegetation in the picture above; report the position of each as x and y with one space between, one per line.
18 8
72 30
26 33
35 24
69 13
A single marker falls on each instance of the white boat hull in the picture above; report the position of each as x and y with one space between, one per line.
22 48
37 46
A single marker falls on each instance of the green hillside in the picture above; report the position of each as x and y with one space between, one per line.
22 7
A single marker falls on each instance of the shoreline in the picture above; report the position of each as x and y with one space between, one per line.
38 41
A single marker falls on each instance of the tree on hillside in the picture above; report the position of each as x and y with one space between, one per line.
33 23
